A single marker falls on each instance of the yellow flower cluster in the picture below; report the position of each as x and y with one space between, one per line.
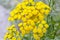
12 34
29 9
32 15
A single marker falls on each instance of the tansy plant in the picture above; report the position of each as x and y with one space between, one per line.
31 24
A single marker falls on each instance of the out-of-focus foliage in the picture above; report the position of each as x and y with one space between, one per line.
54 21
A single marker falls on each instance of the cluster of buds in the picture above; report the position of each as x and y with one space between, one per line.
32 16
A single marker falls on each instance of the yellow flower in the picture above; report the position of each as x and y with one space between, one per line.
47 12
17 33
20 24
15 17
13 38
10 31
14 29
46 25
21 28
32 23
5 37
19 6
40 26
41 35
35 12
9 36
23 32
24 19
46 6
27 28
11 27
39 3
36 37
25 24
25 12
33 3
12 14
11 19
18 38
19 17
35 30
31 27
44 30
42 11
30 0
39 30
27 17
35 19
41 17
43 22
